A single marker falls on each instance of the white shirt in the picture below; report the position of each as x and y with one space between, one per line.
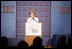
31 20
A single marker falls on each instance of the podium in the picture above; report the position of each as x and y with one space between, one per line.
32 31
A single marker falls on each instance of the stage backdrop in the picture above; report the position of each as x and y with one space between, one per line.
42 11
8 19
61 18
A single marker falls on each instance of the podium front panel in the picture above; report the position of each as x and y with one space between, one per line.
33 29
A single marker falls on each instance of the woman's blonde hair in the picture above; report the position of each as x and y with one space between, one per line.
32 11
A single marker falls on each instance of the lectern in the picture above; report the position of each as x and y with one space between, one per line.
32 30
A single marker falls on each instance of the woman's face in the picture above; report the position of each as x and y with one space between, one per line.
32 15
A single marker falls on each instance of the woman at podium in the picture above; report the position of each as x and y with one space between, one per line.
33 27
32 18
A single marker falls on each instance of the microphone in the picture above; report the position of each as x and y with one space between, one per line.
34 19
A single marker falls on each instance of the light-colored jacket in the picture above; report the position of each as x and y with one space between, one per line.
30 20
